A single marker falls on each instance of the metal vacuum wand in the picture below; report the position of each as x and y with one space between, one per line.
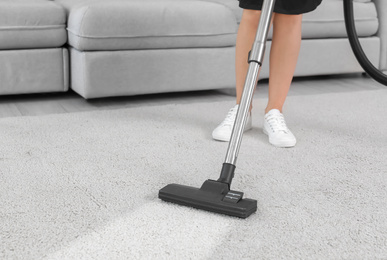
255 61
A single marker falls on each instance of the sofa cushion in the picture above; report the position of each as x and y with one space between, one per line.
31 24
142 24
233 5
327 21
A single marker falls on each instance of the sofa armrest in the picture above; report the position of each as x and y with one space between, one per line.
381 8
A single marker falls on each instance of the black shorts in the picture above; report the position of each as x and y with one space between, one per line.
283 6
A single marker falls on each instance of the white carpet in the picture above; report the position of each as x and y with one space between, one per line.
85 185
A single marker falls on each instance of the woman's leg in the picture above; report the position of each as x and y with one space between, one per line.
286 44
245 39
284 52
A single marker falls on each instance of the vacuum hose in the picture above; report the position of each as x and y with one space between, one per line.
356 47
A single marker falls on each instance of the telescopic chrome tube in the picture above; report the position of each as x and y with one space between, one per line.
255 60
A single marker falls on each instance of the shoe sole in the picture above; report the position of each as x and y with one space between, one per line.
226 139
280 145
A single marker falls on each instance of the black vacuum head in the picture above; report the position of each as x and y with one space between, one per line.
213 196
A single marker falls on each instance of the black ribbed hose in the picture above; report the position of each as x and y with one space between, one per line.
356 47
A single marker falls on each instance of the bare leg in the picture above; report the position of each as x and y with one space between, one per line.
284 53
245 39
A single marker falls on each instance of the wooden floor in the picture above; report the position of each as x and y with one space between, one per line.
70 102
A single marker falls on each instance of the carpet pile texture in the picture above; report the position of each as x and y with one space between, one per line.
85 185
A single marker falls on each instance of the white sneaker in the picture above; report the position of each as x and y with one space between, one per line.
274 126
223 131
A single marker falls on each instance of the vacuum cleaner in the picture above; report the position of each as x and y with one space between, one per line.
216 195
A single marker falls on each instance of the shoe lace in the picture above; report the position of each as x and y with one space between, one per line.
277 123
230 118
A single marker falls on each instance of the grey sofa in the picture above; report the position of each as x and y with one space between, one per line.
132 47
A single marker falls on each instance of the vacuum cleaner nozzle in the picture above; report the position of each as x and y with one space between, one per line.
216 196
213 196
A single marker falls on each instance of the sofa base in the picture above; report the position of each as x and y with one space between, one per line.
34 71
134 72
334 56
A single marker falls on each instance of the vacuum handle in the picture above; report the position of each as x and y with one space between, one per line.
255 60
